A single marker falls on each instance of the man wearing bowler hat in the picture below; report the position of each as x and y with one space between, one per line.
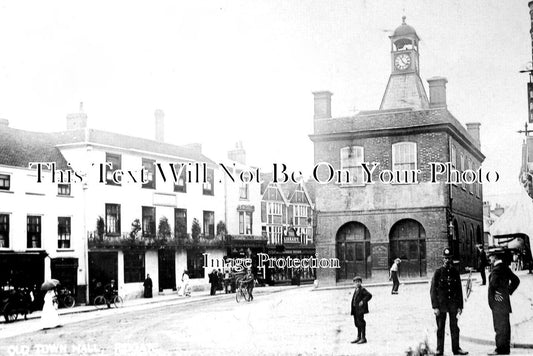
502 283
447 297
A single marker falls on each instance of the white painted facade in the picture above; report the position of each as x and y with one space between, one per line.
133 196
26 197
240 198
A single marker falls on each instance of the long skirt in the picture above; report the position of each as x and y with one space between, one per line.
49 315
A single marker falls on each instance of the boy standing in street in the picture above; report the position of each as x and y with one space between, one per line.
359 308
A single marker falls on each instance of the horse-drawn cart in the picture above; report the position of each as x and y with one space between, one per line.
14 302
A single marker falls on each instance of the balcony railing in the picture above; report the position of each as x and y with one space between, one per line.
124 240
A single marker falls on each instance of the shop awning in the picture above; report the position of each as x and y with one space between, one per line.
516 221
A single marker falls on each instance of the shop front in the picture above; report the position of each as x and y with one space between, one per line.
248 246
21 269
292 248
65 270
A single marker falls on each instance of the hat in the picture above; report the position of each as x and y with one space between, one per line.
397 260
447 253
496 251
357 278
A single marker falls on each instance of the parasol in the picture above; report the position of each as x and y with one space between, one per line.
49 284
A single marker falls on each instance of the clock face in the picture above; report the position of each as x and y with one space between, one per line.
402 61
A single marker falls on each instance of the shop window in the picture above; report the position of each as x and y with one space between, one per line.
195 264
133 267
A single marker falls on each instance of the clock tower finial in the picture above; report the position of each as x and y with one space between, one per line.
405 88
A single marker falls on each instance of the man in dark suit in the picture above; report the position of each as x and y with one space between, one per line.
502 283
213 280
148 287
482 264
359 308
447 297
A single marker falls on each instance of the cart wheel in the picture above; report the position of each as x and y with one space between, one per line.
9 314
99 302
117 301
69 301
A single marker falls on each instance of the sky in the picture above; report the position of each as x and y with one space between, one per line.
228 71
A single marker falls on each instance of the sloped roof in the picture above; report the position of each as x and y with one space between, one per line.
143 144
18 147
287 189
376 121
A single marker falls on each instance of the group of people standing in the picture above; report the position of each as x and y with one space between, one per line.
229 280
447 299
446 294
217 280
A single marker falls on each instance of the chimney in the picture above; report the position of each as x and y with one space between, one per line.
437 92
4 123
322 104
238 154
473 130
78 120
159 125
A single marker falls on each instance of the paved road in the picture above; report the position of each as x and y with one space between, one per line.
293 322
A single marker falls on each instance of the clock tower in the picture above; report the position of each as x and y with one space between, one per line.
405 88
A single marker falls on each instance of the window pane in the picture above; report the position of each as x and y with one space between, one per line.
149 167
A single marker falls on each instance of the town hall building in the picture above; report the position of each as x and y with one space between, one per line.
367 225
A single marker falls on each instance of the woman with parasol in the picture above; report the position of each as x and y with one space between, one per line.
49 316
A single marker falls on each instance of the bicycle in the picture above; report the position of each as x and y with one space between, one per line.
242 293
65 298
469 282
102 300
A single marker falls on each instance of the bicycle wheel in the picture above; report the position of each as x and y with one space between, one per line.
117 301
69 301
99 302
246 294
239 295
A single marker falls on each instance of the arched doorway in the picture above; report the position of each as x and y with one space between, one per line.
353 251
407 241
